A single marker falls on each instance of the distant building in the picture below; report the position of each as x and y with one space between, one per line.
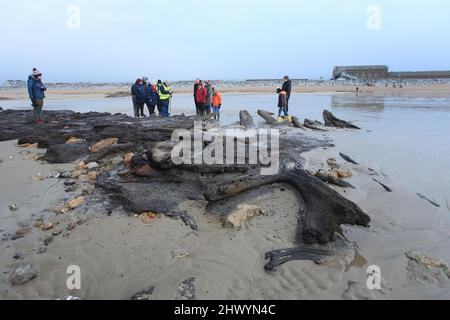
362 72
381 72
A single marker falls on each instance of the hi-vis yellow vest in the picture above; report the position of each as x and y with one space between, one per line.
163 96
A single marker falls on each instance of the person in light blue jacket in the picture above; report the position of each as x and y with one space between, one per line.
36 91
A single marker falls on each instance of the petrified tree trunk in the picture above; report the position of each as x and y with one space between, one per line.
246 119
332 121
268 117
313 125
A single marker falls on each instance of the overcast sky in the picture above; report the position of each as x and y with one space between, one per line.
118 40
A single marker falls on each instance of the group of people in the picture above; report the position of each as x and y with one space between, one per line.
207 99
155 95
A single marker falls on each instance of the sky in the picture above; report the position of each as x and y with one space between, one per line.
116 40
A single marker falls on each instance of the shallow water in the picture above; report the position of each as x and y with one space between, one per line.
408 138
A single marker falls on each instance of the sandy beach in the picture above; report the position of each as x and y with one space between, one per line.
119 255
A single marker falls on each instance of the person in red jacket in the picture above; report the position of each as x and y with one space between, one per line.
200 97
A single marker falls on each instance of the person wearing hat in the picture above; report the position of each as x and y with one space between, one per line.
201 98
139 95
152 97
208 99
165 94
36 91
287 87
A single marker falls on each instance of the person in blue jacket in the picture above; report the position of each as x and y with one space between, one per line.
36 91
139 95
152 97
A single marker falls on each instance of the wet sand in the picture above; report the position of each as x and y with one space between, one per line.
119 255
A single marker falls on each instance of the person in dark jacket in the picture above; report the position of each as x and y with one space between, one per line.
287 87
36 91
139 96
152 97
282 106
209 94
200 97
196 85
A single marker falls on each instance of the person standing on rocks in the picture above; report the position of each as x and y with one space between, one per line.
287 87
216 103
152 97
209 94
139 95
36 91
282 106
165 93
196 85
200 97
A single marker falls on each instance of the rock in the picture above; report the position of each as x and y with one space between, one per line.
127 159
147 217
75 203
103 144
426 270
332 162
92 165
66 234
93 175
70 183
47 226
75 141
71 226
65 175
23 274
48 240
38 224
13 207
65 153
56 233
42 250
333 174
69 298
186 291
180 254
144 295
22 232
145 171
241 215
29 145
343 173
82 166
76 174
18 256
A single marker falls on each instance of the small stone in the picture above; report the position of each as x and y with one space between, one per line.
241 215
75 203
47 226
65 175
144 295
103 144
66 234
70 183
56 233
128 158
76 174
332 162
71 226
93 175
147 217
81 166
18 256
48 240
13 207
92 165
344 173
180 254
186 291
42 250
38 223
23 232
23 274
74 141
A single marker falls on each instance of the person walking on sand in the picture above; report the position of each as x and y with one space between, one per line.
216 103
152 97
139 95
287 87
36 91
165 94
200 97
196 85
282 106
208 100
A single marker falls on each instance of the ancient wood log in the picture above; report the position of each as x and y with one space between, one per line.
385 187
332 121
297 123
327 178
268 117
313 125
246 119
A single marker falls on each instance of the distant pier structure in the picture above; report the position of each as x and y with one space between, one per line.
381 72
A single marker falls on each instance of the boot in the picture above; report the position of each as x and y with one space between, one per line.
288 119
279 120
